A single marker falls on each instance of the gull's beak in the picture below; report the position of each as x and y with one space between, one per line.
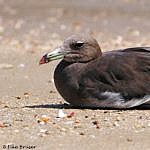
58 53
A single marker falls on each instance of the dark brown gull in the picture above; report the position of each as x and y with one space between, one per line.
86 77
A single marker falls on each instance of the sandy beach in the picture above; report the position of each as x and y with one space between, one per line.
32 113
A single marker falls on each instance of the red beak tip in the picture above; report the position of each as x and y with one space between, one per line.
42 61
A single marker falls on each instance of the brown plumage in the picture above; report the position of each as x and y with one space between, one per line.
86 77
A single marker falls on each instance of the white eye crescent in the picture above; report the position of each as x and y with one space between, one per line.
80 42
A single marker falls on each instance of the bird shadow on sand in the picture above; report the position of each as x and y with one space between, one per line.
68 106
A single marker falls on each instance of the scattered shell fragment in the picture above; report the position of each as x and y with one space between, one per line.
116 124
6 66
96 123
93 136
61 114
81 133
18 97
21 65
43 120
16 131
26 95
77 121
77 124
71 114
118 118
129 140
68 122
43 131
3 125
52 91
63 130
106 119
86 116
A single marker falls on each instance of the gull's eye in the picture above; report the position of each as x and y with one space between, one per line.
77 45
